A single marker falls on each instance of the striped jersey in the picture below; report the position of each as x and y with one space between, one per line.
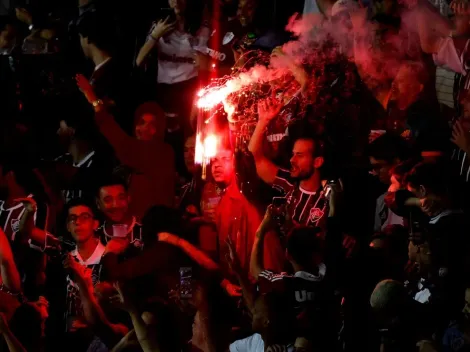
74 307
303 207
10 218
299 289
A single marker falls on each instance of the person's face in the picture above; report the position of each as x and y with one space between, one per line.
381 169
303 163
7 37
189 153
146 128
260 320
466 308
113 201
405 89
179 6
81 223
394 184
222 167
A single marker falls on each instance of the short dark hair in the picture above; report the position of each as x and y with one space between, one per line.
76 202
110 180
303 243
434 176
388 147
98 29
317 144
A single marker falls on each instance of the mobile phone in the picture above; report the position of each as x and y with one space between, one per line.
168 12
186 278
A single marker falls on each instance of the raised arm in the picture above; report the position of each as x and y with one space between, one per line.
159 30
9 272
94 315
265 168
192 251
256 262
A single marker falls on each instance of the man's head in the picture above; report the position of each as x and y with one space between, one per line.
385 152
77 126
306 158
7 33
388 299
81 220
97 33
408 84
223 165
113 200
304 247
149 122
430 183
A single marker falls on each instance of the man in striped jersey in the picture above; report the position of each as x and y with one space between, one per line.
308 295
301 186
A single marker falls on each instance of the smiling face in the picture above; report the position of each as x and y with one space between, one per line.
113 201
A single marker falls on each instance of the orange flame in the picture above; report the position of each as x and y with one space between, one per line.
205 149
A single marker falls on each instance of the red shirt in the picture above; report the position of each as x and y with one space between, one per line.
238 219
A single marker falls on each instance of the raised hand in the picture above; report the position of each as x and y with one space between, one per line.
460 7
460 137
86 88
162 28
268 109
29 204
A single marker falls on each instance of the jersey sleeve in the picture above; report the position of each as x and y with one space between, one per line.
283 181
452 54
269 281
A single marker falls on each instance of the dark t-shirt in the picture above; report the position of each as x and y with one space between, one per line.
220 42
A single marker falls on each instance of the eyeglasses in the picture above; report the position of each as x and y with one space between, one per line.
72 219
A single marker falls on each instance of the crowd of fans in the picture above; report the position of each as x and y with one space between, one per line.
342 230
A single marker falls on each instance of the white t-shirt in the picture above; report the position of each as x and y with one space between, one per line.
176 58
255 343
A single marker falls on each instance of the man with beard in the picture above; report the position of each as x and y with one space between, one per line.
304 199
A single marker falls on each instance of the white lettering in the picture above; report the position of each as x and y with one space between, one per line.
302 296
